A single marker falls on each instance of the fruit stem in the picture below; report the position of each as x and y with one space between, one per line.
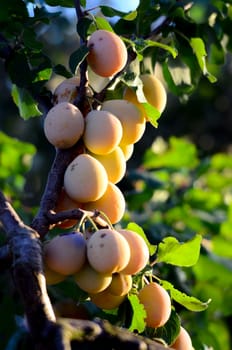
92 222
105 217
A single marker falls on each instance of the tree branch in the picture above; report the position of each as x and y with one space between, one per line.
52 190
27 271
77 214
98 334
5 257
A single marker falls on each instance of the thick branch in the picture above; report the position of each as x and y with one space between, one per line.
27 271
28 276
98 334
5 48
5 257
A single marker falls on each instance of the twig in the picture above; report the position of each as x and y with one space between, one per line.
77 214
80 99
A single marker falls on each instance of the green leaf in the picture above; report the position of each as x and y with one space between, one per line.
15 160
102 23
30 40
178 77
152 114
190 303
111 12
214 269
12 152
26 104
83 26
19 70
205 199
141 45
136 228
198 47
219 161
181 153
77 57
62 70
222 246
64 3
139 314
131 16
169 331
173 252
43 75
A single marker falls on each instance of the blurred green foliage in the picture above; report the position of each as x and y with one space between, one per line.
178 185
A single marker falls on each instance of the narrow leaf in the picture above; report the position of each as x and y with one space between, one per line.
198 47
142 44
173 252
111 12
189 302
102 23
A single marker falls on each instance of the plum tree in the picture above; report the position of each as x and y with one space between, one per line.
133 122
66 254
157 304
91 129
139 252
183 341
107 53
108 251
85 179
112 203
103 132
64 125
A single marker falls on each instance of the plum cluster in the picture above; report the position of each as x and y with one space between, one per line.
103 262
